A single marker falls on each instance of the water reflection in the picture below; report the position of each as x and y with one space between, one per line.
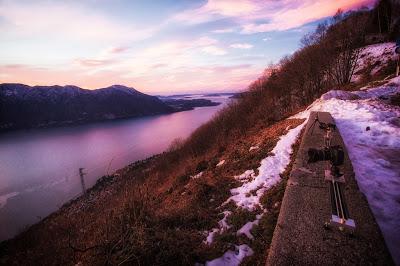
39 168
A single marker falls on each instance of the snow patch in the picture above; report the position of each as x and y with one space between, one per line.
210 236
246 176
376 55
386 90
338 94
222 226
254 148
232 257
248 195
197 175
245 230
222 223
221 163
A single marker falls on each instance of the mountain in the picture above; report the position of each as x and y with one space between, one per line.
23 106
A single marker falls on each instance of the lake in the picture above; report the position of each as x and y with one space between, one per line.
39 169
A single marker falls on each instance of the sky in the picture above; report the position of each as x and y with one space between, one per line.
157 47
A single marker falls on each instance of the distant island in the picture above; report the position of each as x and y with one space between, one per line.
188 95
24 107
188 104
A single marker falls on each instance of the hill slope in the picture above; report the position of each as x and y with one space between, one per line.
23 106
148 207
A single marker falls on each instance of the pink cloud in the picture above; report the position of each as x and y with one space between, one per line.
227 8
13 66
298 15
280 15
161 65
117 50
189 78
93 62
215 9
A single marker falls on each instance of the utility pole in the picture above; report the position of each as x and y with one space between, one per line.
82 174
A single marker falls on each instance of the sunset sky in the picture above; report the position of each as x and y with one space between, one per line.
158 47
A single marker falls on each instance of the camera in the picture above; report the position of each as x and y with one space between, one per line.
327 126
335 154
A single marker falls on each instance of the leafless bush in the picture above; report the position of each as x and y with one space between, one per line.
175 145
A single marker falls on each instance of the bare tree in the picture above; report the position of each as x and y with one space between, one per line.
344 41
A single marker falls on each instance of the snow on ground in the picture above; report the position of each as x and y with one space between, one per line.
371 54
222 226
210 236
232 258
196 176
254 148
245 230
249 193
220 163
375 153
246 176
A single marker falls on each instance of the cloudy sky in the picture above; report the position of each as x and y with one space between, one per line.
164 46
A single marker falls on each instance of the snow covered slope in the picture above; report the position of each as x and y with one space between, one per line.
373 58
268 176
370 127
369 123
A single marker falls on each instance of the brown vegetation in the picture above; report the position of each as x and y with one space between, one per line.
148 216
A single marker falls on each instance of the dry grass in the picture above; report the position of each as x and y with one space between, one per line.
271 201
153 213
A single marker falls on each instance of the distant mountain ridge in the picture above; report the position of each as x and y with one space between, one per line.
23 106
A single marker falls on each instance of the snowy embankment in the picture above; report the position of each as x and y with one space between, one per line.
373 57
370 128
248 195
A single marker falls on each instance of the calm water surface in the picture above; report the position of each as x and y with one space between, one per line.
39 168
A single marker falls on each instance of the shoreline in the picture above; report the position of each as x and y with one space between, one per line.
25 210
66 124
102 182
